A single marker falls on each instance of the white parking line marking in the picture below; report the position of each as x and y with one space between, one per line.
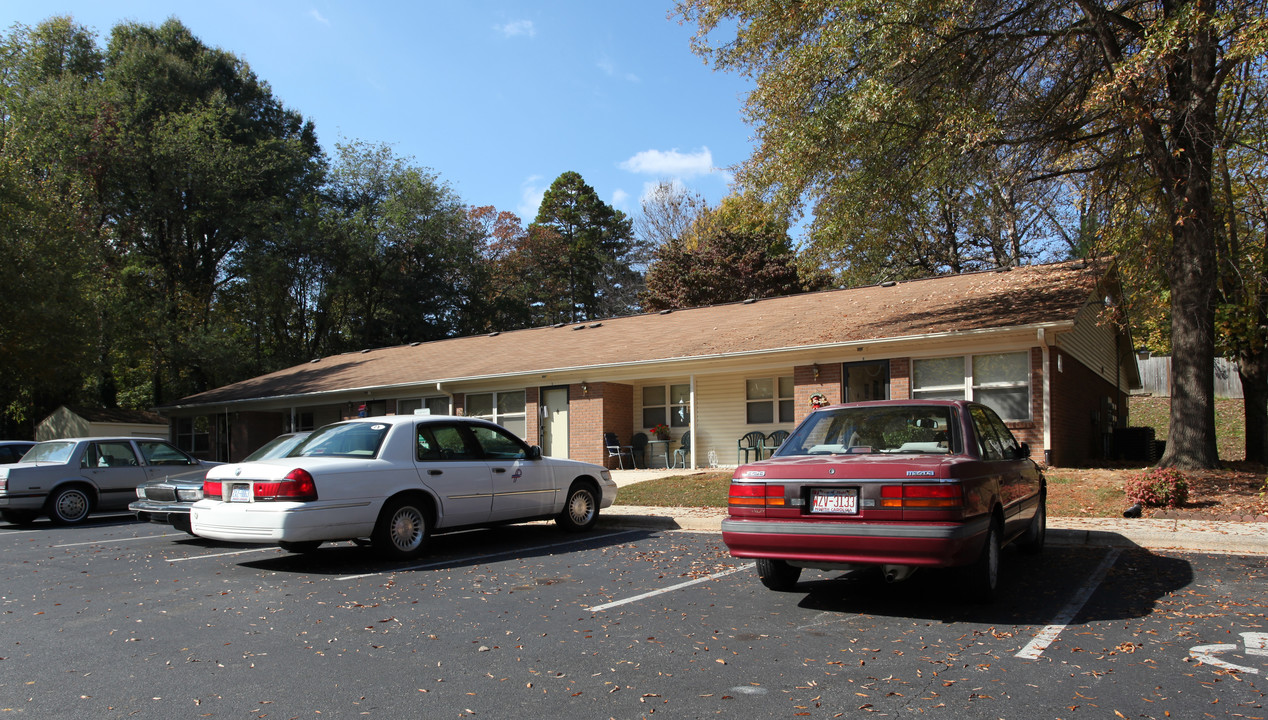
1049 634
271 548
671 588
137 537
516 551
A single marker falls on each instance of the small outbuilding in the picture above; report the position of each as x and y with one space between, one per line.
74 421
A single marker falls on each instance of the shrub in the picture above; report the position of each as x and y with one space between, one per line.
1158 487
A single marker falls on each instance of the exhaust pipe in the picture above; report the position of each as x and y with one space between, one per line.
897 573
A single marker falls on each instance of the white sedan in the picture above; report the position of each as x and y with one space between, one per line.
394 480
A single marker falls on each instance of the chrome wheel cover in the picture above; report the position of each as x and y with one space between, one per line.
406 528
581 507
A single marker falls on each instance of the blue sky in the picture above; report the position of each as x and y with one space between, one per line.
498 98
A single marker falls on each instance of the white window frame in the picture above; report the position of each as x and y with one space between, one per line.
969 387
519 419
677 414
777 401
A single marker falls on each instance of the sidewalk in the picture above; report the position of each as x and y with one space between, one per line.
1240 538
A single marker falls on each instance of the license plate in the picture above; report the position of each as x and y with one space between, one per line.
841 502
240 493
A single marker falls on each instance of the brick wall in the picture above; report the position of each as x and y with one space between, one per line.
1031 431
600 408
806 385
900 378
532 415
1078 418
250 430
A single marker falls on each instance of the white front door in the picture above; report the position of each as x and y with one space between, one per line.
554 414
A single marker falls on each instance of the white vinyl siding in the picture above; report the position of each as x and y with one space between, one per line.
1094 344
721 408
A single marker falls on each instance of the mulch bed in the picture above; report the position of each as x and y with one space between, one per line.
1232 495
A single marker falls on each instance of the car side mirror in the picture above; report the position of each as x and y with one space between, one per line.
535 452
1023 451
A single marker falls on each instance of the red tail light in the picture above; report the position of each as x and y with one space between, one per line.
922 496
757 496
212 489
297 487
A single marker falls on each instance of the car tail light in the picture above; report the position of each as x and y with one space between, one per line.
756 496
912 497
212 490
298 486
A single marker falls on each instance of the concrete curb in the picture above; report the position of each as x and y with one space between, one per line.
1240 538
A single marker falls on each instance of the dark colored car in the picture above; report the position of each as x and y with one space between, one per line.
167 500
896 485
11 451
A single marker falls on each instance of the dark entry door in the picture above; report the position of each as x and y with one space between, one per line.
862 381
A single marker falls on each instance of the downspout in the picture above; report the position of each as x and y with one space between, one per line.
1047 396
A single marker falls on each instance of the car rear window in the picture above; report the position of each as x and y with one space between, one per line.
58 452
356 439
910 429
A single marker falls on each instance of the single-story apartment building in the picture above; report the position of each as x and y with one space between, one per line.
1045 345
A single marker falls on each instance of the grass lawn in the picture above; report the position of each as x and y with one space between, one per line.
1072 492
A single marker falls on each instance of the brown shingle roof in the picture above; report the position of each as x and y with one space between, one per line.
117 415
978 301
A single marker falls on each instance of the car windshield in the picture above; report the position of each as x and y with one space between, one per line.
279 446
874 429
58 452
355 439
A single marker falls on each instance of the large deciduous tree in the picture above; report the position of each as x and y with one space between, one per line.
734 252
906 89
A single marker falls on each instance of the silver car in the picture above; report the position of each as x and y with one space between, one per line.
167 500
68 479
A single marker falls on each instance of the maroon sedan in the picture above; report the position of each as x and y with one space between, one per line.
895 484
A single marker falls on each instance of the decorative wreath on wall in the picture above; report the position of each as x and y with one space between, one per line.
818 400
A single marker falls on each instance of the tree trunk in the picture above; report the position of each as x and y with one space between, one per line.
1253 372
1189 171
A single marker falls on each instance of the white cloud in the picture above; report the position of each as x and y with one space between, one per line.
670 163
620 199
605 64
531 193
318 17
517 28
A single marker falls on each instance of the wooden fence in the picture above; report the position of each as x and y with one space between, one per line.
1155 377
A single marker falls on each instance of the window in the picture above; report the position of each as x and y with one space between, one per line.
504 408
441 442
109 455
765 397
160 453
497 445
667 405
193 435
436 405
1000 381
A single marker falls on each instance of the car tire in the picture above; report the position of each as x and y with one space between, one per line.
581 509
402 529
1032 542
305 546
181 522
19 517
982 577
69 505
777 575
